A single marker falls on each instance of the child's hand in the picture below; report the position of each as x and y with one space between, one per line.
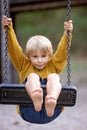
6 21
68 25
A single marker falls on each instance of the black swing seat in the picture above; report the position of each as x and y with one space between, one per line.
17 95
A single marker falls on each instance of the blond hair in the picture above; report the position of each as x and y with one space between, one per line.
41 43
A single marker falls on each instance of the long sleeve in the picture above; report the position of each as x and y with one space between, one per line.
60 56
15 51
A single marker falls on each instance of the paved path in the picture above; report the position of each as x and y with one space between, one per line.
73 118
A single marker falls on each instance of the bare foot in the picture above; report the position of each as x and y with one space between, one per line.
37 98
50 104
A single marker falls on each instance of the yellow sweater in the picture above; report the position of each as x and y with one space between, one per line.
24 66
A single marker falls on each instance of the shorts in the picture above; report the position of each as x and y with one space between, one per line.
30 115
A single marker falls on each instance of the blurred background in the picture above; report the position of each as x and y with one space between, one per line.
50 23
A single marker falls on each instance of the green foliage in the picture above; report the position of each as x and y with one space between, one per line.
80 29
50 24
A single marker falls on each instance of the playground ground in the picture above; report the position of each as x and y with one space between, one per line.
73 118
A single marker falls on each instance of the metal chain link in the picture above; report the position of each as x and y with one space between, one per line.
68 46
5 76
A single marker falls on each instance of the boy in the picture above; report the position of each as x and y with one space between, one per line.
39 66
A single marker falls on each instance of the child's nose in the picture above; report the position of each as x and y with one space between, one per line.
39 59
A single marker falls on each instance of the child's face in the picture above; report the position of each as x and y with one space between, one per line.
39 59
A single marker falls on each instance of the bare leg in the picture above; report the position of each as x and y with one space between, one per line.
53 90
34 90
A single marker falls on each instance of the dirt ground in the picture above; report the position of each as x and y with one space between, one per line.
73 118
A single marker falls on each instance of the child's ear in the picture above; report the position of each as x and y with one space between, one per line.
49 58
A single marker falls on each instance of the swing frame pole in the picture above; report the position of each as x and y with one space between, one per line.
0 42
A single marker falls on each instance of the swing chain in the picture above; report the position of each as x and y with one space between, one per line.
68 46
5 77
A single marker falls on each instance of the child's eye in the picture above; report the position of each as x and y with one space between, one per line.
43 55
35 56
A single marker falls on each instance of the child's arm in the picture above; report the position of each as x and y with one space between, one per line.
60 56
15 51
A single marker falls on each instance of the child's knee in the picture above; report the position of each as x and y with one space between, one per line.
33 76
53 77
